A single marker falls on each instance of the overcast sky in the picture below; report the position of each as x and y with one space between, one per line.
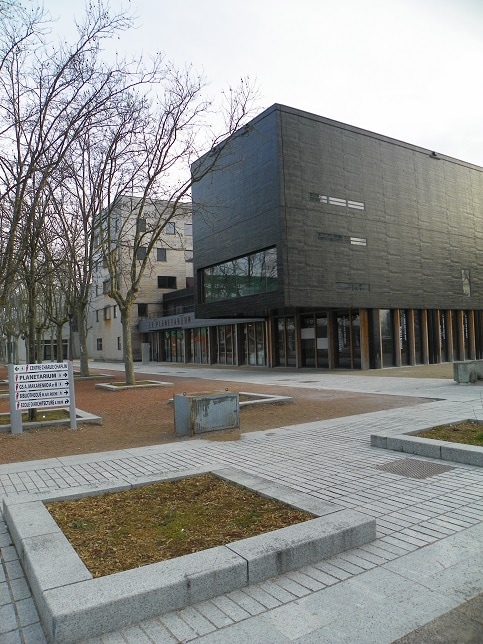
409 69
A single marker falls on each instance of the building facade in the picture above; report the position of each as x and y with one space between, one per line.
169 268
350 249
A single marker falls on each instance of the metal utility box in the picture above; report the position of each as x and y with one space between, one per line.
199 413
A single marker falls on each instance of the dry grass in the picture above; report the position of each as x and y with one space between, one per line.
469 432
44 415
125 530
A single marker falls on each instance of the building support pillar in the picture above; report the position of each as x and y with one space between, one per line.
364 331
424 336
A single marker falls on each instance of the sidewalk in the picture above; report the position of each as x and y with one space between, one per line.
420 581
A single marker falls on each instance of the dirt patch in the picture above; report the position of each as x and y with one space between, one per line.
140 417
160 521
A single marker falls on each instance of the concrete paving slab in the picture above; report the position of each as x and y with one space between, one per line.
331 460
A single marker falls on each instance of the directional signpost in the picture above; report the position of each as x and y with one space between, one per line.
48 384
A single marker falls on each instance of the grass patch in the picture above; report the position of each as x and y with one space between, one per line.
43 416
138 383
124 530
469 432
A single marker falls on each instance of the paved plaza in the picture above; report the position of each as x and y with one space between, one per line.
421 579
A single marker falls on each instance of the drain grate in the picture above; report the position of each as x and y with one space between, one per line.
413 468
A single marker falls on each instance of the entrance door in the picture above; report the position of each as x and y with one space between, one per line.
307 340
348 339
286 342
322 332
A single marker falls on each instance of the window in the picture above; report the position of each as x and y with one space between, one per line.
106 287
99 344
336 201
107 313
188 230
188 256
170 228
142 310
166 281
333 237
465 277
358 241
313 196
118 342
97 316
141 225
249 275
352 286
141 252
114 311
161 254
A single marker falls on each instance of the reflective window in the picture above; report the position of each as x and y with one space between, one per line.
248 275
387 337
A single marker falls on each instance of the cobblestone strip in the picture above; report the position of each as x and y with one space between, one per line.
19 620
94 473
330 460
195 621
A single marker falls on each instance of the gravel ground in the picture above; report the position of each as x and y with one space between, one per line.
139 417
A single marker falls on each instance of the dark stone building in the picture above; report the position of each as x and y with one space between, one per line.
356 250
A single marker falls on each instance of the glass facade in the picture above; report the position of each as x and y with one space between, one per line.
224 344
348 346
307 341
249 275
322 339
174 345
418 337
387 337
330 339
286 342
252 344
198 342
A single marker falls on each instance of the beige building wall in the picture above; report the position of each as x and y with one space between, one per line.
170 266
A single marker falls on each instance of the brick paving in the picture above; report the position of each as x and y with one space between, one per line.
426 561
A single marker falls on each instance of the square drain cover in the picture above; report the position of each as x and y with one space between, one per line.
413 468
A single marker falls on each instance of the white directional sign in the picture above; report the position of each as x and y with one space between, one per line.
41 385
48 384
31 404
43 366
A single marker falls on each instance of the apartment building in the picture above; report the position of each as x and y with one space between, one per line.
124 238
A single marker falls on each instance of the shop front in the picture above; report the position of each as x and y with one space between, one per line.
183 338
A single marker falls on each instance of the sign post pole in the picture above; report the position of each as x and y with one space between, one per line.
15 414
73 416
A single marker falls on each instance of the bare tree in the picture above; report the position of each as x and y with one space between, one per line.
77 136
49 95
161 135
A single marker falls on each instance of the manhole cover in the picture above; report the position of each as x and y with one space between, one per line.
413 468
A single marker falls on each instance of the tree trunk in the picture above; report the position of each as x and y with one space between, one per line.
60 353
84 356
10 355
127 345
39 352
